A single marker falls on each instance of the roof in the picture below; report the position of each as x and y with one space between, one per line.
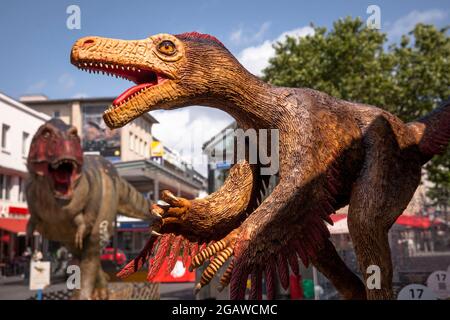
19 105
18 226
232 125
81 100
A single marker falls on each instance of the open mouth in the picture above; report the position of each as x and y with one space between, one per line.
143 78
63 172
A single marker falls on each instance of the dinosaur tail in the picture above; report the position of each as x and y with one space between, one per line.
131 202
432 132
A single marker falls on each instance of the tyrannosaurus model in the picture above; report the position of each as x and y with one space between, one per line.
74 200
332 153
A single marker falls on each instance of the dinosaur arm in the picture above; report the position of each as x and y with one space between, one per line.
213 217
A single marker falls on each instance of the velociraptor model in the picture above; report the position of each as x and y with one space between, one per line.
331 153
75 200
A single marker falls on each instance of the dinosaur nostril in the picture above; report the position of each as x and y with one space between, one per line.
87 43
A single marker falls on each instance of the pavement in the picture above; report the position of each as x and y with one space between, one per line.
15 288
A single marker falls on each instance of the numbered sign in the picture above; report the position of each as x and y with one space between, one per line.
439 283
39 275
416 292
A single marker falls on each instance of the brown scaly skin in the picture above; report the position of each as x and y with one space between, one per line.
331 152
73 208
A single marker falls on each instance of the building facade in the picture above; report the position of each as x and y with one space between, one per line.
18 123
132 142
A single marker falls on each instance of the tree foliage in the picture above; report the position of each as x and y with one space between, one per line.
352 62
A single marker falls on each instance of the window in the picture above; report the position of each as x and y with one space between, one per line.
145 150
56 114
136 144
131 141
5 187
25 137
5 130
22 194
2 179
141 147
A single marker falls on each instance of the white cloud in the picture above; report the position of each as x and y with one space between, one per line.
244 36
236 35
37 87
80 95
406 23
256 58
185 130
66 81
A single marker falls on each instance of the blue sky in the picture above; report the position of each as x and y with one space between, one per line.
34 56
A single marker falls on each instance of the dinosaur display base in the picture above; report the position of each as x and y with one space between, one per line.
116 291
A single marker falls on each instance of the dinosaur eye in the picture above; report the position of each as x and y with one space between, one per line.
46 134
167 47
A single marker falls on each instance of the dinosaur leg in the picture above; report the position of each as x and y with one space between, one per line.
101 286
385 186
90 266
328 262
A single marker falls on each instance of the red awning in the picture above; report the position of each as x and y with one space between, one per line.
340 222
18 210
416 221
18 226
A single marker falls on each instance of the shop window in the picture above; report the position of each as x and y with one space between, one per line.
5 132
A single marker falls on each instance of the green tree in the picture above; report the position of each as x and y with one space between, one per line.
355 63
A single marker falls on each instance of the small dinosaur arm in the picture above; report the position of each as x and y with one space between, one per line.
332 153
74 200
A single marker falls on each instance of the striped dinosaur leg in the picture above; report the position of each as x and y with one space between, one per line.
221 251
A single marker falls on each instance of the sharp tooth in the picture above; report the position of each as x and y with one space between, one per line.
90 64
123 68
139 70
85 64
133 68
101 65
128 68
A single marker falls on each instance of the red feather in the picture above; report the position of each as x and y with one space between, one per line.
161 254
256 285
137 263
283 271
174 253
186 253
270 278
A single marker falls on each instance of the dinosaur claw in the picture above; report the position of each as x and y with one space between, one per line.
197 288
156 234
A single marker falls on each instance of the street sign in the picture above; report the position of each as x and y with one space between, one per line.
439 283
416 292
39 275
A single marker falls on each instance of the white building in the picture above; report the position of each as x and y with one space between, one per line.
18 124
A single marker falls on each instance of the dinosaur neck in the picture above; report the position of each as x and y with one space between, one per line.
245 97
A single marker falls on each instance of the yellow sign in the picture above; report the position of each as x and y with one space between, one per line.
157 149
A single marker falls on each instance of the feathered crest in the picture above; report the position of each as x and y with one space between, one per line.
198 35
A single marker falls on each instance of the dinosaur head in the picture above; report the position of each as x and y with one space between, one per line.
169 71
56 155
